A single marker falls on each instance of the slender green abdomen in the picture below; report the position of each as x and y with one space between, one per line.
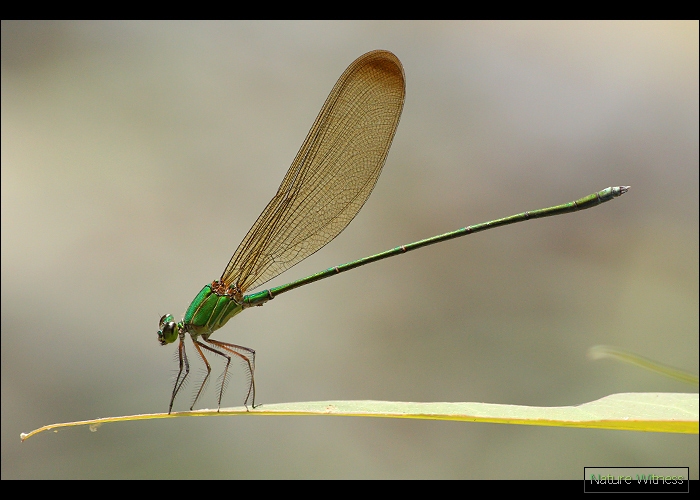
209 312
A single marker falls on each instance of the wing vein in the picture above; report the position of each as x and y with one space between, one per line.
332 175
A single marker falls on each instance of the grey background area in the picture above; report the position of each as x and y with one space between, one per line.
135 156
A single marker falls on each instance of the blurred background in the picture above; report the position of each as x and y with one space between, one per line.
136 155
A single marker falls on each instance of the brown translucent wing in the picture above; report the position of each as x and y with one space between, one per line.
332 175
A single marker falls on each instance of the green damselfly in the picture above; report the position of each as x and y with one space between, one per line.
327 184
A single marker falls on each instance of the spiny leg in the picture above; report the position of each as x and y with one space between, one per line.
197 346
248 356
182 356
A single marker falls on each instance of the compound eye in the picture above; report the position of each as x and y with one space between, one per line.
168 330
164 319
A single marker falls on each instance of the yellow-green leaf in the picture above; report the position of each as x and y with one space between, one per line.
649 412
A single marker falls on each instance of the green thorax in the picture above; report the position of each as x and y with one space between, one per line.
209 311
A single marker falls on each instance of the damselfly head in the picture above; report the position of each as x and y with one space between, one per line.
168 330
